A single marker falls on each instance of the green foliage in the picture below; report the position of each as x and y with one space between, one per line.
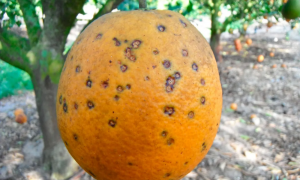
11 8
13 79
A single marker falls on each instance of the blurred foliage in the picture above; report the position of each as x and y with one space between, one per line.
12 80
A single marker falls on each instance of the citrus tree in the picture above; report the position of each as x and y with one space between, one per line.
40 54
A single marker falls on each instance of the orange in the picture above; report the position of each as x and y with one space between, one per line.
274 66
265 16
233 106
255 66
238 45
283 65
260 58
253 116
269 24
249 41
20 117
272 54
140 97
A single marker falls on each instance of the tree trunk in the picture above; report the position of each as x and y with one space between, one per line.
215 31
216 46
56 159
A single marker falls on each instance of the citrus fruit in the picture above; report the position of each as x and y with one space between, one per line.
20 117
249 41
274 66
233 106
283 65
291 9
238 45
260 58
272 54
139 97
253 116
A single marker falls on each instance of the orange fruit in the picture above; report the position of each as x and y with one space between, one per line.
253 116
255 66
265 16
238 45
269 24
233 106
274 66
249 41
272 54
284 1
283 65
245 27
260 58
288 20
140 97
20 117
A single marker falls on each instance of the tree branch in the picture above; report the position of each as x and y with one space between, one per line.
106 8
13 50
31 20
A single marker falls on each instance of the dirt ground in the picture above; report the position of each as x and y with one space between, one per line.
262 148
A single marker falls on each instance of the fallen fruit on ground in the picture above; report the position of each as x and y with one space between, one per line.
139 97
274 66
260 58
272 54
255 66
283 65
249 41
20 116
238 45
253 116
233 106
269 24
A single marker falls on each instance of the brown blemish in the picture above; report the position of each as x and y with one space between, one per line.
203 147
169 110
91 173
155 52
191 114
161 28
75 137
202 100
136 43
99 36
167 64
60 99
147 78
195 67
119 88
169 88
128 52
170 141
186 163
132 58
112 123
123 68
164 134
202 82
128 86
116 97
90 105
171 80
185 53
130 163
153 67
105 84
77 69
167 175
89 83
65 107
117 42
66 143
183 23
177 75
75 105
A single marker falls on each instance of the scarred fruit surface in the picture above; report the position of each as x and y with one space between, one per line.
140 97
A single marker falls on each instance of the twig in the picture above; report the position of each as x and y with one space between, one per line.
142 4
77 176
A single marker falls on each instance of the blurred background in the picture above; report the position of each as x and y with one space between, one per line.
258 56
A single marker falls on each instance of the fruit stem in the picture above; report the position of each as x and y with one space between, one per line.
142 4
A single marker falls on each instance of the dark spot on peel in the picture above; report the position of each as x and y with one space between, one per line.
123 68
60 99
136 43
184 53
128 52
117 42
203 147
202 82
191 114
167 175
92 174
66 143
161 28
169 110
170 141
186 163
164 134
177 75
132 58
99 36
119 88
117 97
89 83
170 81
147 78
128 86
183 23
65 107
169 15
90 105
153 67
104 84
155 52
77 69
75 106
125 41
112 123
202 100
195 67
169 88
167 64
75 137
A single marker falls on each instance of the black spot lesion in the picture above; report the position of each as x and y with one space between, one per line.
183 23
195 67
66 143
130 164
191 114
184 53
155 51
112 123
166 64
169 110
164 134
105 84
167 175
117 98
128 86
60 99
77 69
186 163
177 75
161 28
88 83
75 137
65 107
203 147
120 88
202 81
75 106
136 43
202 100
123 68
117 42
99 36
170 141
90 105
91 173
